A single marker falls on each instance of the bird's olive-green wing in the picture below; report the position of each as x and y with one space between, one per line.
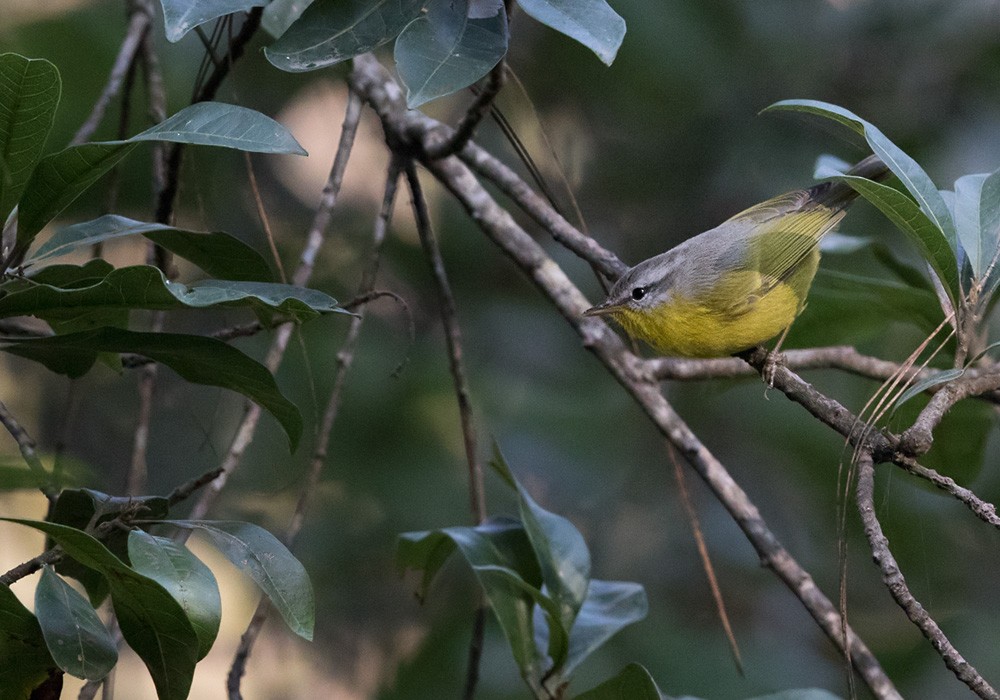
771 241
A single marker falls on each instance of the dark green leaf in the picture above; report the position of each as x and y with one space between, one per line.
226 126
77 639
610 606
151 621
26 660
591 22
903 166
632 683
910 219
331 31
868 297
277 572
197 359
501 557
63 292
80 508
185 577
63 176
181 16
59 179
923 385
799 694
29 93
560 548
445 50
279 15
218 254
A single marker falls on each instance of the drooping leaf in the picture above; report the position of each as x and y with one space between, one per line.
561 550
29 95
65 291
277 572
632 683
446 50
610 606
181 16
500 555
26 660
63 176
591 22
279 15
923 385
225 126
185 577
935 221
219 254
331 31
78 508
910 219
77 639
151 621
197 359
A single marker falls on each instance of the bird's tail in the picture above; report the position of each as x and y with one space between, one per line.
837 195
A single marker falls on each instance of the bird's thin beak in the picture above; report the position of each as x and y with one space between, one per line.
603 309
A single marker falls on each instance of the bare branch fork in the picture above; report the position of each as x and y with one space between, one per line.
413 132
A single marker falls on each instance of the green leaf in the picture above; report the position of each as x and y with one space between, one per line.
29 95
591 22
610 607
181 16
799 694
870 298
942 377
63 176
331 31
219 254
277 572
26 659
77 639
80 508
910 219
279 15
632 683
560 548
929 222
225 126
197 359
500 555
185 577
151 621
445 50
977 218
65 291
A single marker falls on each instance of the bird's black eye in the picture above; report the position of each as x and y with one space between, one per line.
638 293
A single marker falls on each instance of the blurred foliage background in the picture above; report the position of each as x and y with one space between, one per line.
660 146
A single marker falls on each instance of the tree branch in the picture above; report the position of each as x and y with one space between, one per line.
345 358
894 581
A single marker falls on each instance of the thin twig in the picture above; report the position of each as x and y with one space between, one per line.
138 25
453 338
27 447
894 581
706 560
345 358
918 438
470 120
317 235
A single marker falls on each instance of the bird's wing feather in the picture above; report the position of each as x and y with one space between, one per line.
765 244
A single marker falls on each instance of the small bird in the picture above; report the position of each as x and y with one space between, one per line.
736 285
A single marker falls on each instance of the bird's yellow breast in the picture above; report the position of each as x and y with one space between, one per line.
694 328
